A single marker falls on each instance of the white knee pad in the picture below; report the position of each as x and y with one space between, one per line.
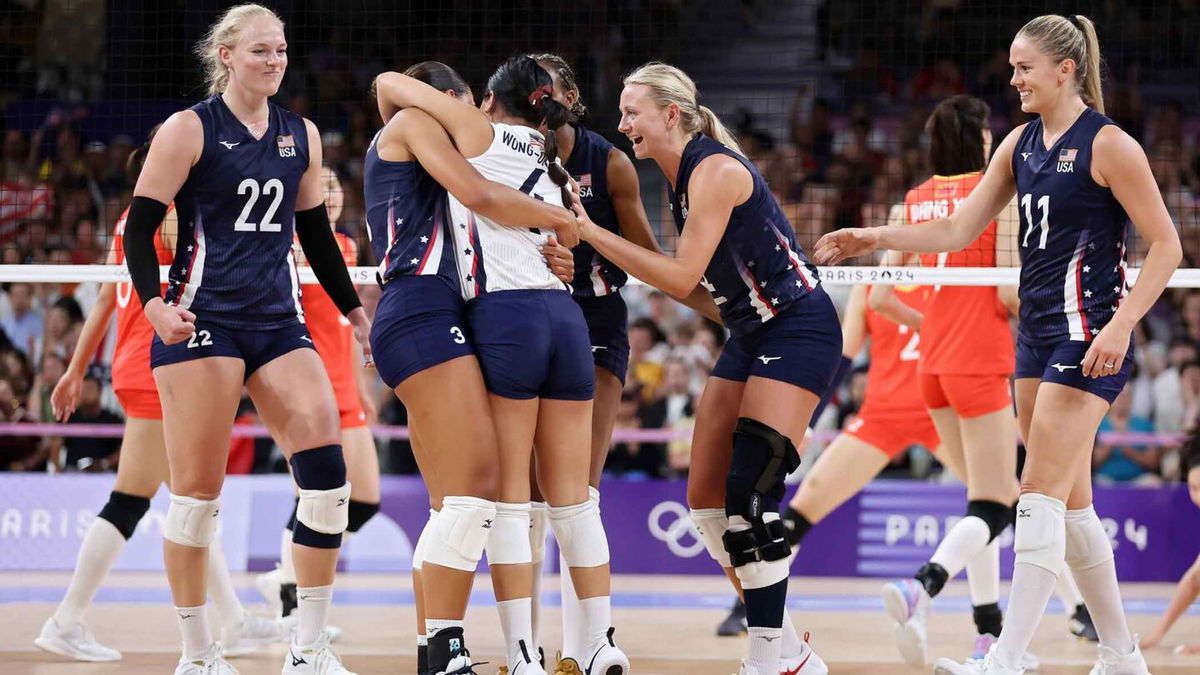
418 558
1088 544
711 525
1041 532
325 511
762 573
460 532
508 541
192 522
580 534
539 520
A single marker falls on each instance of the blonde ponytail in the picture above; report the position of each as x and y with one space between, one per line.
226 32
668 85
1075 39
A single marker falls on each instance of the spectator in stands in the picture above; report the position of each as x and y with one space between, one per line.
23 324
1168 387
1126 462
52 367
648 350
85 453
62 324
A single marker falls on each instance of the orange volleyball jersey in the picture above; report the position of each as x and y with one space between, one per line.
895 349
331 332
965 330
131 358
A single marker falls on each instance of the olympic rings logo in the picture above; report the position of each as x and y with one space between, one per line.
676 534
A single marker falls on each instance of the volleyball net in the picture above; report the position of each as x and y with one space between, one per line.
829 98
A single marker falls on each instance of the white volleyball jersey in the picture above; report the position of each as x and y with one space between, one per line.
495 257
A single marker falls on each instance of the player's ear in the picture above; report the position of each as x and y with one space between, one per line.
673 115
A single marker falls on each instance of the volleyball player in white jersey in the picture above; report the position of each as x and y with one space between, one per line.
532 344
1080 181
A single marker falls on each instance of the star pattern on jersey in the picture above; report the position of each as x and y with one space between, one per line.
774 301
466 251
1087 294
190 247
463 225
1095 331
778 248
470 278
799 284
751 264
424 240
414 261
399 221
1116 289
1087 268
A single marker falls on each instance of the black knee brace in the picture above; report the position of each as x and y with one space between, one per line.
996 515
762 458
124 511
291 524
360 513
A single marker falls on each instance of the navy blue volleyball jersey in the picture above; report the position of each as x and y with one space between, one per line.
595 275
757 270
406 219
1072 236
234 262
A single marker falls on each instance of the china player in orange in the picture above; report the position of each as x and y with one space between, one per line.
967 357
333 338
142 467
892 418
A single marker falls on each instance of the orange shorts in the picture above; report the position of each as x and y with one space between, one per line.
892 433
140 403
968 395
350 409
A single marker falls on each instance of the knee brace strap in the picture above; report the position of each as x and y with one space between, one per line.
1088 544
360 513
508 540
125 511
995 514
749 541
539 521
762 458
460 532
710 526
1041 532
580 534
192 522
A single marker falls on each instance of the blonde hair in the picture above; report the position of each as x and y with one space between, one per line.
226 32
1071 38
671 85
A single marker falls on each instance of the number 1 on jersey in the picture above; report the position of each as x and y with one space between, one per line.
1043 205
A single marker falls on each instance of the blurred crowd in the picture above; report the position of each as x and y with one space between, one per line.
853 145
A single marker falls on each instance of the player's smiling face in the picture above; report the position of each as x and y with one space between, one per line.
257 62
1039 81
642 121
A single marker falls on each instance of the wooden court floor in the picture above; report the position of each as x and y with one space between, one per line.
666 624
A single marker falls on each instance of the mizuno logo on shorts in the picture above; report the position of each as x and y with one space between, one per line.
596 348
768 359
1061 368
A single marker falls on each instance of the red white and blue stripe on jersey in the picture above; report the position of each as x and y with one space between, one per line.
757 270
407 221
474 282
233 261
1072 238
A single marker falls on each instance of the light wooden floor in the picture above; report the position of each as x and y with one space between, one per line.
666 624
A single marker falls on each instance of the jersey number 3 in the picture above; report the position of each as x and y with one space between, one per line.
1043 204
273 187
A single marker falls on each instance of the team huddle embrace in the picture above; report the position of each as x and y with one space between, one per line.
505 232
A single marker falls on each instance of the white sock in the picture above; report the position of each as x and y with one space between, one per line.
983 576
1067 591
220 586
573 621
1039 548
515 623
539 521
963 542
792 644
765 649
433 626
193 624
287 568
597 619
1098 582
312 608
101 547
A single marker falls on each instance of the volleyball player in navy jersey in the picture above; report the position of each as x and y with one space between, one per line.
609 191
533 348
244 174
1079 181
423 347
786 343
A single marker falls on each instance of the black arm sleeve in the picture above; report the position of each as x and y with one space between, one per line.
145 217
321 249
